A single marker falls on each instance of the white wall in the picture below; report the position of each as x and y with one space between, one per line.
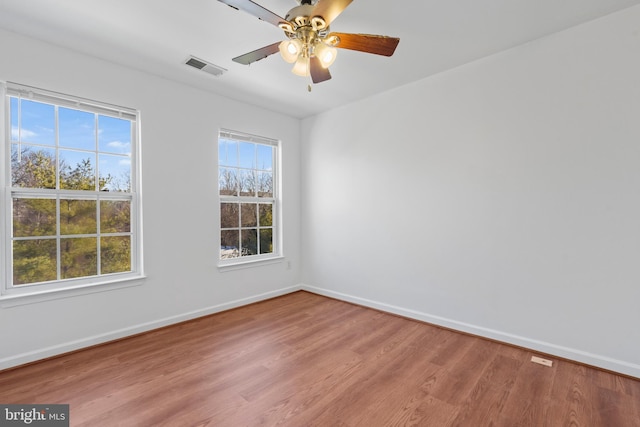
501 198
179 155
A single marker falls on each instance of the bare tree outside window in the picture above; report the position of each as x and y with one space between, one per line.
247 199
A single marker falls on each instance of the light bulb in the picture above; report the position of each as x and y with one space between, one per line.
326 54
301 68
289 50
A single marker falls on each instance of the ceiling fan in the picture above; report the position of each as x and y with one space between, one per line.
310 45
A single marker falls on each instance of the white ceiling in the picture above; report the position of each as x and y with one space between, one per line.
158 35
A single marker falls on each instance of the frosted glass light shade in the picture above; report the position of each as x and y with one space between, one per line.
326 54
301 67
289 50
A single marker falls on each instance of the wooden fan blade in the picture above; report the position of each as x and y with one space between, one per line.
369 43
256 10
257 54
330 9
318 73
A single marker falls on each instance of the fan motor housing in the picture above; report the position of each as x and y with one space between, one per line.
299 12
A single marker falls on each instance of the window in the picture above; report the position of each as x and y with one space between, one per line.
71 192
247 177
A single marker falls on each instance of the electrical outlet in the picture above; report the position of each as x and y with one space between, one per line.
288 265
541 361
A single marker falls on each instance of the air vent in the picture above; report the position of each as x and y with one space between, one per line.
207 67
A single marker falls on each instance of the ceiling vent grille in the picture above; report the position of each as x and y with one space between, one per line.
205 66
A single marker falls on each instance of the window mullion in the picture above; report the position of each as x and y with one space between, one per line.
75 210
97 189
98 237
58 241
259 169
56 133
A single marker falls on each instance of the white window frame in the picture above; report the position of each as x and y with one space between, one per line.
258 259
11 295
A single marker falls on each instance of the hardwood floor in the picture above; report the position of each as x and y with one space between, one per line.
306 360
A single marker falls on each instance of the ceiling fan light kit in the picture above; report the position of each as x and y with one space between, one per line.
301 67
309 45
326 54
289 50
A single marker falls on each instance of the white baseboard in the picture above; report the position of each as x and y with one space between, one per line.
21 359
600 361
580 356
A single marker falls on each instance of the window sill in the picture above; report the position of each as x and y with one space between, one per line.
13 300
241 265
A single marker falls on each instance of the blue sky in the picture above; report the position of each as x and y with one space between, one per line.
76 135
251 155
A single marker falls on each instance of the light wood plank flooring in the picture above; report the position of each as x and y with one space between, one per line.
306 360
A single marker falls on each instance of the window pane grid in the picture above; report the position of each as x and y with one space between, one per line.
253 222
62 176
247 197
78 160
55 263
